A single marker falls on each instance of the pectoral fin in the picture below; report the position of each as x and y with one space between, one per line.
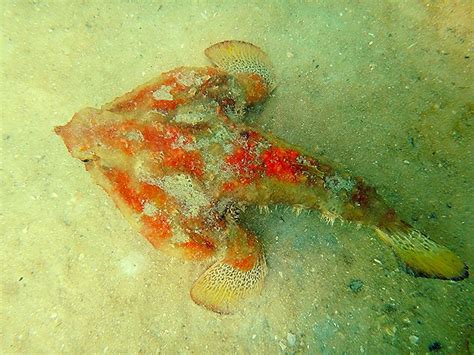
250 66
228 283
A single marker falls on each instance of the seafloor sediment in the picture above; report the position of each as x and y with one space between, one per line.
383 88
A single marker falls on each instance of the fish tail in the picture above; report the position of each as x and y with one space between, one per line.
422 255
225 285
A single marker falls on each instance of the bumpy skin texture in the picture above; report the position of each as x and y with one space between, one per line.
179 163
176 164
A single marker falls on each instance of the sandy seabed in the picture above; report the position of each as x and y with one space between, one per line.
384 88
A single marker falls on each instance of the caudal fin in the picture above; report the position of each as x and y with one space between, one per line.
423 256
238 57
225 286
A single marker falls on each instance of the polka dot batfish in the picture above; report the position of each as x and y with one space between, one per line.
179 162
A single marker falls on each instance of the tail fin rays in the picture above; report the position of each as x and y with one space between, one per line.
423 256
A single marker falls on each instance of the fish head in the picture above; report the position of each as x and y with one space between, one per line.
78 135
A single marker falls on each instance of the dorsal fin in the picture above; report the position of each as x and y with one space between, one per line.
242 57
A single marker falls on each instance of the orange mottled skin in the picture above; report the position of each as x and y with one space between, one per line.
177 160
137 141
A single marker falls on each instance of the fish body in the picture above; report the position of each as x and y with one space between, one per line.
180 163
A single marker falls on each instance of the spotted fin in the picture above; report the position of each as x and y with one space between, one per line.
237 57
228 283
423 256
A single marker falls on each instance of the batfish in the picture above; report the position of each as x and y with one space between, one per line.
180 162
